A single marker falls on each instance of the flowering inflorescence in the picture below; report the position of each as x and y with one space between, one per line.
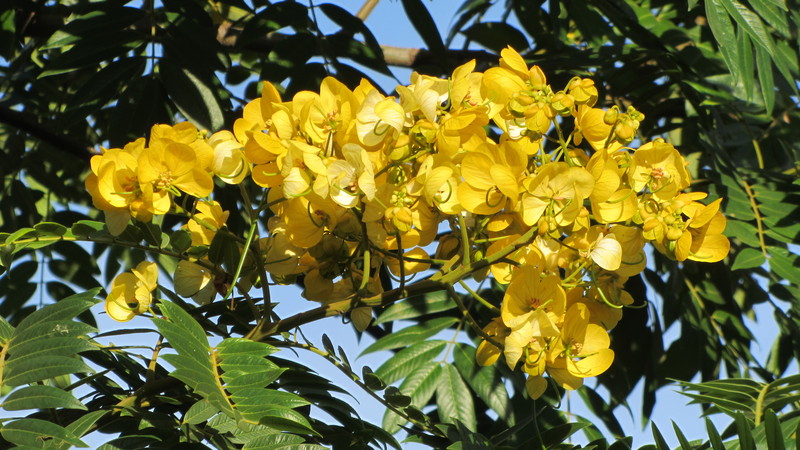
356 181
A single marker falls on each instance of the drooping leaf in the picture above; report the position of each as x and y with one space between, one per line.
485 381
41 397
423 22
31 432
453 398
417 306
409 359
193 94
410 335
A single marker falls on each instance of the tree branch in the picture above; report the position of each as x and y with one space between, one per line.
59 142
366 9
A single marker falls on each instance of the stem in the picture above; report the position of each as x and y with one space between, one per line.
477 297
465 312
759 223
465 246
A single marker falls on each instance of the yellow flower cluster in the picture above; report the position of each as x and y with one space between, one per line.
357 181
131 292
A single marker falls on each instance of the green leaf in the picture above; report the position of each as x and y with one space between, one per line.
419 386
410 335
417 306
554 436
371 380
41 397
743 231
193 94
94 25
485 381
31 432
396 398
681 438
52 337
65 309
273 18
240 346
496 36
193 363
86 228
454 399
6 331
328 345
722 28
748 258
785 264
423 22
252 399
765 78
775 17
773 430
745 61
103 87
273 441
200 412
50 229
82 425
660 443
92 52
749 21
713 436
284 419
744 430
409 359
373 58
224 251
31 370
180 240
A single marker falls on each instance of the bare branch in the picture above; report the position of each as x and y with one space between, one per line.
366 9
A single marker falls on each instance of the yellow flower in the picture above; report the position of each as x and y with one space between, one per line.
350 178
281 257
308 218
414 261
535 386
659 167
164 169
581 351
487 352
424 95
379 118
131 293
195 281
439 179
530 291
583 91
590 125
206 221
703 240
556 192
327 115
488 185
229 162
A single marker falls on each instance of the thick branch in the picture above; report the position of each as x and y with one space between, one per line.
394 56
266 329
60 142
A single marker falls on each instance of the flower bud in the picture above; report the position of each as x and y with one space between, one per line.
611 115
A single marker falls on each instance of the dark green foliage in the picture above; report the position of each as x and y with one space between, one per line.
716 77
